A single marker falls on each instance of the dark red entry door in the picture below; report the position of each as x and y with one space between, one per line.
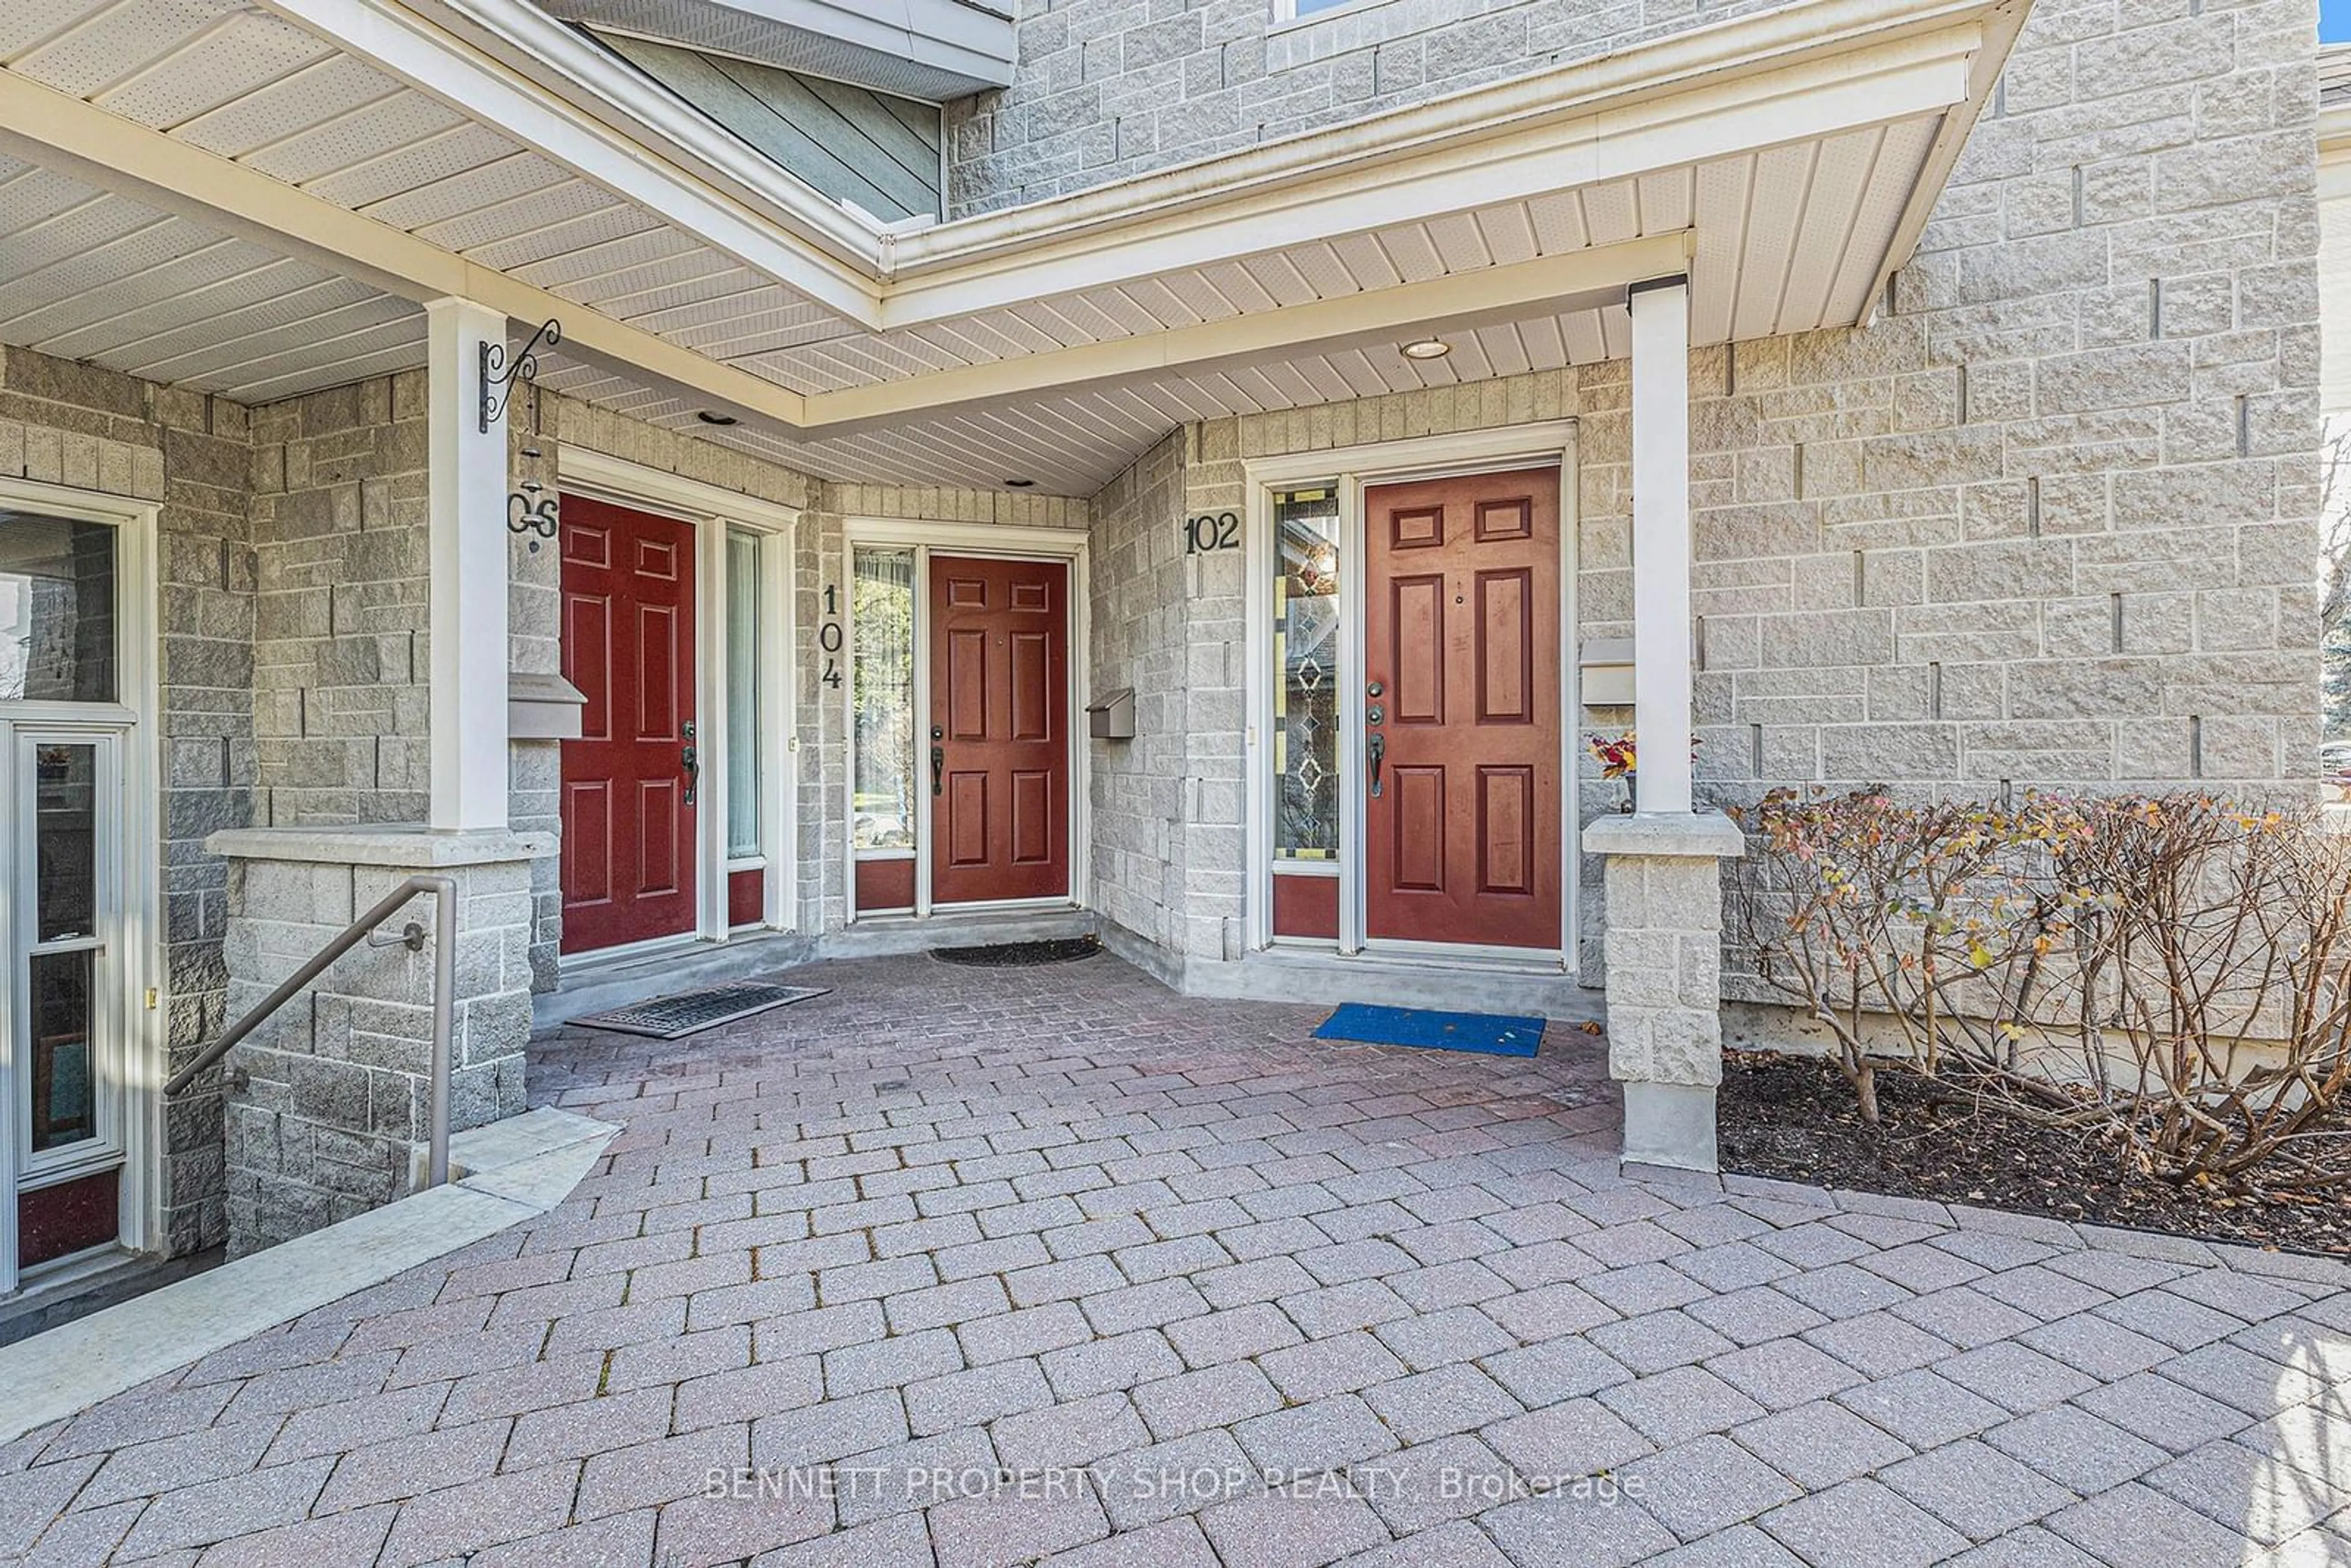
998 741
628 791
1461 639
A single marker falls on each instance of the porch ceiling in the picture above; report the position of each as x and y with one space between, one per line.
250 197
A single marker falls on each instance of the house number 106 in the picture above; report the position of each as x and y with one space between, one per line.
828 635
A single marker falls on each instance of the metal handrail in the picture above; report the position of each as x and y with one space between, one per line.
444 890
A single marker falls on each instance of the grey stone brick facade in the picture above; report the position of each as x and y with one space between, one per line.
1143 629
70 424
2046 520
328 1106
340 651
1110 88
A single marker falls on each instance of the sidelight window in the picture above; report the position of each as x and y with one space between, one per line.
743 738
883 804
1306 674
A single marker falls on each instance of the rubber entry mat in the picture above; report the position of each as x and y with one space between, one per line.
1020 955
1489 1034
691 1012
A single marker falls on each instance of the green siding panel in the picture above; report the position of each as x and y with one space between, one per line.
852 144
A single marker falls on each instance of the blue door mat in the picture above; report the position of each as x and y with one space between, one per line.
1490 1034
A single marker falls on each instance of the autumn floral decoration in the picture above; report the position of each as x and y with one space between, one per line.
1619 758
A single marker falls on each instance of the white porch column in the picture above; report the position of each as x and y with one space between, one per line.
1661 543
1662 880
468 596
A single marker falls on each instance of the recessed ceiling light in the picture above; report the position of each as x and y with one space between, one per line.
708 417
1019 484
1427 348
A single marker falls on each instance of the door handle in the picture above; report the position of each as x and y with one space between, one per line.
1375 748
691 762
939 766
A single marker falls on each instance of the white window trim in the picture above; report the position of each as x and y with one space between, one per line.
110 1057
140 976
712 511
1004 541
1351 469
1286 14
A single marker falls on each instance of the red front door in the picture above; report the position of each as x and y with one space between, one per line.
998 741
1461 641
628 794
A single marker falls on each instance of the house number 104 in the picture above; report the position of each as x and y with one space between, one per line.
828 635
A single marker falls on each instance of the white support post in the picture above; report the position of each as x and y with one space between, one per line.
468 561
1664 880
1661 544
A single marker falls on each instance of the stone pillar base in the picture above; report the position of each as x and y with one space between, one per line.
1663 972
328 1105
1670 1124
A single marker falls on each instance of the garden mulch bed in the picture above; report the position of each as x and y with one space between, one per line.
1795 1119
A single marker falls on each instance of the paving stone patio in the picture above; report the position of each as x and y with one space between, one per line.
984 1267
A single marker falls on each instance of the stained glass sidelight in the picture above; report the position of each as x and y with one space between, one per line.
1306 672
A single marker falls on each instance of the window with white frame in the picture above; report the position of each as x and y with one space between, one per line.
68 941
1305 751
743 694
881 607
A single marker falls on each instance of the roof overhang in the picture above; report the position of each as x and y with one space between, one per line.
928 49
1786 160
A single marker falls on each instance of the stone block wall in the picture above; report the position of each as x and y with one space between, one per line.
1141 636
2049 519
329 1102
64 423
1106 89
341 658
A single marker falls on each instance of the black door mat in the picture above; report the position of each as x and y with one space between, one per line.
1020 955
691 1012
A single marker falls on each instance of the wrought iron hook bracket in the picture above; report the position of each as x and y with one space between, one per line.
499 377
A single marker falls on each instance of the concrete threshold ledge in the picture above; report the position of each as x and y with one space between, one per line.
512 1170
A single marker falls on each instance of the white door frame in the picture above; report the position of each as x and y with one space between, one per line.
712 512
1351 470
131 1082
997 542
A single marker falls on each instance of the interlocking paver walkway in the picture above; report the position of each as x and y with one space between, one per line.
993 1267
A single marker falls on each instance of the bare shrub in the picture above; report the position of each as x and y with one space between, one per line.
2171 975
1866 912
2209 997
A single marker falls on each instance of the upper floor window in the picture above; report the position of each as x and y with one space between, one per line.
1288 10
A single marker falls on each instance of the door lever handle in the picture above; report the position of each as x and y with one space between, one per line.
1375 748
939 766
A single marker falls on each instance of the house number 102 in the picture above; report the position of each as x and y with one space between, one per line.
1208 532
828 635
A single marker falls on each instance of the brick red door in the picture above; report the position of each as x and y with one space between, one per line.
628 795
1461 635
998 748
